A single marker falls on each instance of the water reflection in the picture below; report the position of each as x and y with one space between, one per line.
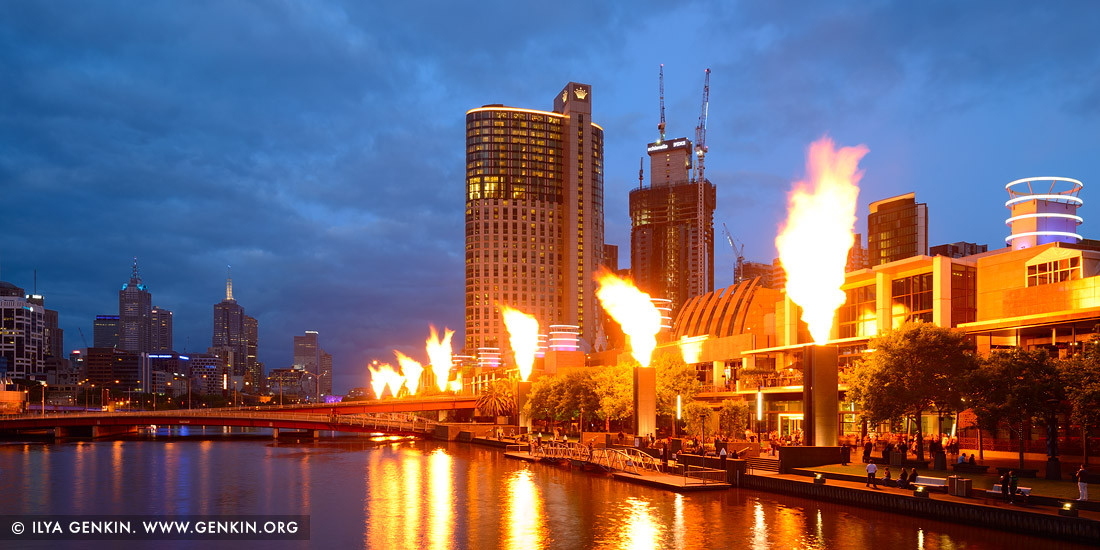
418 494
524 521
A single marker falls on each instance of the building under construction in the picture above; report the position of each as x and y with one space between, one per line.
672 220
665 239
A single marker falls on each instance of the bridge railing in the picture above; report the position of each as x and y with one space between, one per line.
382 421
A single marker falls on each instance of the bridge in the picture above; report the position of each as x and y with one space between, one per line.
402 405
118 423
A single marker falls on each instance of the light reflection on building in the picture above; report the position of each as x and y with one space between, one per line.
524 520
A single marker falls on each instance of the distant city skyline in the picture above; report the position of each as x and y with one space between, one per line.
317 147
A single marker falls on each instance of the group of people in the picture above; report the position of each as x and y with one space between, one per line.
905 479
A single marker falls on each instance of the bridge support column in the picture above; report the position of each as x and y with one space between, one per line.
316 434
60 433
275 433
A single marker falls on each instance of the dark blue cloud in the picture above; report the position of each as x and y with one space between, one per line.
318 146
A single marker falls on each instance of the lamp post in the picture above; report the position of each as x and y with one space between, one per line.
44 386
759 415
677 415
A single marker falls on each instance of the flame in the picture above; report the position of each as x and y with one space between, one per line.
412 371
523 333
634 312
455 385
813 245
439 353
382 375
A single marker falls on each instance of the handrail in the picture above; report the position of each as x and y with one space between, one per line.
397 421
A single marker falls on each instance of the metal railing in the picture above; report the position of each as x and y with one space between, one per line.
379 421
700 475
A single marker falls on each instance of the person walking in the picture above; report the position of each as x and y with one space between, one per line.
867 447
1082 485
722 457
871 470
1013 482
1004 486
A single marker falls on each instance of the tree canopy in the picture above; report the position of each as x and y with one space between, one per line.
1014 387
733 417
497 399
913 368
699 419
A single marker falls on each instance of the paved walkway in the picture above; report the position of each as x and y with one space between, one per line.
934 495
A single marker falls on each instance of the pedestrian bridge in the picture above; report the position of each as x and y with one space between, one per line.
117 423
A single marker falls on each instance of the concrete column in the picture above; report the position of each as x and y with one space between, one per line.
645 400
275 433
883 302
819 396
941 291
791 315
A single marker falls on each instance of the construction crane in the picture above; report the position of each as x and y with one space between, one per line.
661 125
705 283
81 331
739 271
641 173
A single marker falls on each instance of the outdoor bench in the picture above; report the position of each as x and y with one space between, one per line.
930 482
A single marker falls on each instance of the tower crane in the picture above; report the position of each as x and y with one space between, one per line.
81 331
705 272
661 125
739 271
641 172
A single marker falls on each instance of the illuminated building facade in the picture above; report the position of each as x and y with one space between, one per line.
230 337
897 228
665 237
135 315
1044 210
23 344
105 331
160 331
534 217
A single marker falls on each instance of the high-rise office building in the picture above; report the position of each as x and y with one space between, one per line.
665 236
160 331
105 331
752 270
135 312
229 341
897 228
534 217
309 357
252 345
23 348
857 255
55 336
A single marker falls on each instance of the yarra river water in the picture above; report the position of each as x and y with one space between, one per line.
395 494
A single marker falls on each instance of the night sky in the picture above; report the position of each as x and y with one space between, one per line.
318 147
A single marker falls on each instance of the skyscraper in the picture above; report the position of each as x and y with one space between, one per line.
135 312
897 228
229 340
105 331
534 216
252 345
309 357
23 348
665 232
160 332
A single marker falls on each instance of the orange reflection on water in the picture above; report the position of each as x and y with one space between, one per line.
641 529
410 473
525 523
441 499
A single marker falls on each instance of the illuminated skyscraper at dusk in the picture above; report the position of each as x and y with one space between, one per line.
135 315
534 216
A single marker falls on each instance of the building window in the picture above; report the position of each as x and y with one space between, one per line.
858 316
1066 269
912 299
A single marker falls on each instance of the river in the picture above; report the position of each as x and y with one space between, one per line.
407 493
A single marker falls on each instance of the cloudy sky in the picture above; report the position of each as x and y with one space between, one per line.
317 147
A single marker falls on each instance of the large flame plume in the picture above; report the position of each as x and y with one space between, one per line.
813 244
523 333
439 353
634 312
382 375
412 370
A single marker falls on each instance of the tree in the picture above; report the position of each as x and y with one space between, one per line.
497 399
699 418
915 367
733 417
578 396
674 377
1015 387
541 400
614 388
1081 375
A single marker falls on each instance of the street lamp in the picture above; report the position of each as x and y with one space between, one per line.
677 415
759 415
44 386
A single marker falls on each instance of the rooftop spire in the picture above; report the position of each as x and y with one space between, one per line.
228 283
135 277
